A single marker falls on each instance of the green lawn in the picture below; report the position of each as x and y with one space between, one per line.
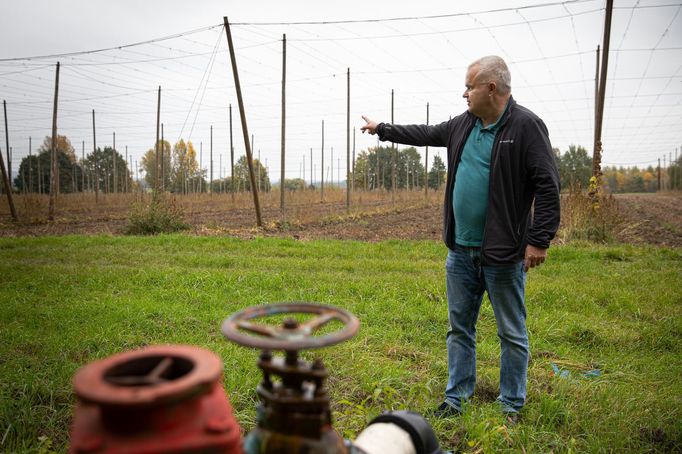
67 301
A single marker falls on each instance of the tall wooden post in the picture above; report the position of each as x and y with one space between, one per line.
377 177
671 180
107 188
665 176
322 167
211 153
30 165
127 173
257 169
352 180
40 175
25 177
426 161
156 147
9 157
8 189
163 160
54 176
393 158
245 130
284 77
232 187
113 158
83 166
595 151
348 175
602 87
659 174
311 167
94 155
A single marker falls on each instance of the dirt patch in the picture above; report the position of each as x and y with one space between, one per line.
376 219
660 439
647 218
486 392
651 218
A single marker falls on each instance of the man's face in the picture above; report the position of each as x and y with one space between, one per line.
476 92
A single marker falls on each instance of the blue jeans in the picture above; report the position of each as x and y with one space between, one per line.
466 281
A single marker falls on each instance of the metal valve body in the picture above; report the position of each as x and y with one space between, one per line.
294 415
158 399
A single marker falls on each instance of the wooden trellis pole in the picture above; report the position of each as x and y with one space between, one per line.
242 114
54 168
156 147
8 189
596 171
9 156
322 167
348 175
284 78
426 160
94 155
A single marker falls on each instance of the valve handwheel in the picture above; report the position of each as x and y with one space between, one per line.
291 335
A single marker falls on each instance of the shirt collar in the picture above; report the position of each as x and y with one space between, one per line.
495 126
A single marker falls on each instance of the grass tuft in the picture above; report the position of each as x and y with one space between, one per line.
160 215
590 219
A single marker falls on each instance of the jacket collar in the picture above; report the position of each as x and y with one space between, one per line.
511 104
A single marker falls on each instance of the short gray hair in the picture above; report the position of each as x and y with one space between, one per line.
494 69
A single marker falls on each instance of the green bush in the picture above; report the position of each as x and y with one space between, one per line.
159 215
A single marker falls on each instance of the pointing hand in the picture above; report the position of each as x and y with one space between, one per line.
370 127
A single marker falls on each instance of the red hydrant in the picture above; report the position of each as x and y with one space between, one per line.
158 399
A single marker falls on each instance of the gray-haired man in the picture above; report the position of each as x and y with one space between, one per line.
501 211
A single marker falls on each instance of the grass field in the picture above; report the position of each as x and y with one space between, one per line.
66 301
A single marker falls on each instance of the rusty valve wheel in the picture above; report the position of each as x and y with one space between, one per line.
291 335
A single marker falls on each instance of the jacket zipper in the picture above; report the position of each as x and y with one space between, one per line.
493 166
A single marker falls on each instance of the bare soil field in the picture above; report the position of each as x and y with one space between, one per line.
644 218
651 218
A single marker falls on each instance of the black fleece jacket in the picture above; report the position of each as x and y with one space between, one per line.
523 175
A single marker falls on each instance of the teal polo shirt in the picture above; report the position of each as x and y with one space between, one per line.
470 192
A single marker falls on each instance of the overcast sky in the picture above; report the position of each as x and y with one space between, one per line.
422 56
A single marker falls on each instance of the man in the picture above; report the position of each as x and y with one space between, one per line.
500 168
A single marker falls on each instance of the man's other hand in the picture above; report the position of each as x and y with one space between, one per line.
370 127
534 257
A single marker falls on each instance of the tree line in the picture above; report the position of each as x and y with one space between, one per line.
575 170
180 172
374 169
107 170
